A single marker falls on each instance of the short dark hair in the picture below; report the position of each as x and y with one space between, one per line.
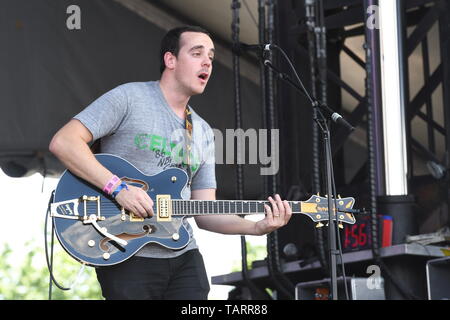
171 42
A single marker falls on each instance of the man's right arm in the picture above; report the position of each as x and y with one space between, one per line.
70 146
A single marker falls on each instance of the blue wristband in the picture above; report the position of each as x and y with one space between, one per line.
118 189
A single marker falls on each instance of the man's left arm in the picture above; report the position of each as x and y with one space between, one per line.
277 215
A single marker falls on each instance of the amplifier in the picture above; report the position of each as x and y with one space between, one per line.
438 279
358 289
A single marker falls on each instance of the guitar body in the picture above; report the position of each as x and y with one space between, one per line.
86 244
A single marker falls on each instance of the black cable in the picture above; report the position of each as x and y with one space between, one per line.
315 177
235 7
338 235
50 260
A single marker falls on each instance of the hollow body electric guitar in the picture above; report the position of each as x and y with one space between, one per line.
95 230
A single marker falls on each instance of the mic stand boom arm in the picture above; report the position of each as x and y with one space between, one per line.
326 111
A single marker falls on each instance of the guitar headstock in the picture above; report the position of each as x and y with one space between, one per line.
316 208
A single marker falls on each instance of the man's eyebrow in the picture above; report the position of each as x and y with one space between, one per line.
201 47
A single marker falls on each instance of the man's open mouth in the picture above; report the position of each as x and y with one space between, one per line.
203 76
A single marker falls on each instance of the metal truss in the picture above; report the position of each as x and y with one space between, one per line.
345 19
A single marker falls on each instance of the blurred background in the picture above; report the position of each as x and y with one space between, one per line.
58 56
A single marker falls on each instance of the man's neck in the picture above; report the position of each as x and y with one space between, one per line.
174 96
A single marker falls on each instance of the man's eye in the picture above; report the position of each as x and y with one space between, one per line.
196 53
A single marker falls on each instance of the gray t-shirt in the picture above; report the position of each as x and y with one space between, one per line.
135 122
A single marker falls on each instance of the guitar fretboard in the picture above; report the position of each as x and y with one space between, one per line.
224 207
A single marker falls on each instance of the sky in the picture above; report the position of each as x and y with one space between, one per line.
24 207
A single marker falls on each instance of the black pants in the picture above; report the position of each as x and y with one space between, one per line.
138 278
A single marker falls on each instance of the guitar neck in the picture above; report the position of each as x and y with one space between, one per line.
227 207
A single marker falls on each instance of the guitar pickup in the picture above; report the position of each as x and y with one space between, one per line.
135 218
163 208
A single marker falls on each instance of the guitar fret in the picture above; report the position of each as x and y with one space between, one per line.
252 207
260 207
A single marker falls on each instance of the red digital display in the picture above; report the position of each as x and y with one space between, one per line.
357 236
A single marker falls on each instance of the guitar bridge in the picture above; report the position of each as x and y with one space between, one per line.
163 207
69 209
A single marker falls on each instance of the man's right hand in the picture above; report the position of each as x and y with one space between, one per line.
136 200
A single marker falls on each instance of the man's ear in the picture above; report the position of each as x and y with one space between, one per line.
170 60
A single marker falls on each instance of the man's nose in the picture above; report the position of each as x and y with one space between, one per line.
206 62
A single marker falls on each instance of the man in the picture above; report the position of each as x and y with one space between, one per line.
137 121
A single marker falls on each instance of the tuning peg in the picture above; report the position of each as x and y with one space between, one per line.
318 194
339 196
319 225
341 226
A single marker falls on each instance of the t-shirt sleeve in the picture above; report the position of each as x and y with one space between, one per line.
104 116
205 177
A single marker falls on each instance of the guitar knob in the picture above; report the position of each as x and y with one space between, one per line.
176 236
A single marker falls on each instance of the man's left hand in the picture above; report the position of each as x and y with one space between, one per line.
277 215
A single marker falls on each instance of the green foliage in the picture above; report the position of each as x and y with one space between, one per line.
254 253
26 276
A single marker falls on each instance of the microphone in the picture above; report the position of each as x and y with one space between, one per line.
336 117
258 48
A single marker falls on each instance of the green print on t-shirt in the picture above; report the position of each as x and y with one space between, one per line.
162 147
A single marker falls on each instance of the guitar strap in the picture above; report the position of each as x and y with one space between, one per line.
189 127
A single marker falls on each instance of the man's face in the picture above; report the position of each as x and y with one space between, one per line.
193 66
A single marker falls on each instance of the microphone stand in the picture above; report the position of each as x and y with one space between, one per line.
322 110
